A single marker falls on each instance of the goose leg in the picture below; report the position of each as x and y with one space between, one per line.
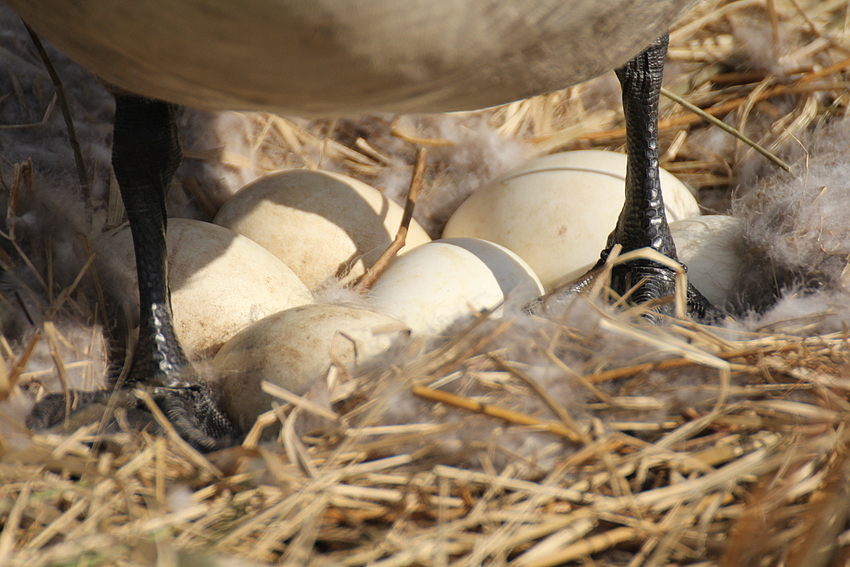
642 222
145 154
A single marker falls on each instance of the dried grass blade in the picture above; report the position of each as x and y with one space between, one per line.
493 411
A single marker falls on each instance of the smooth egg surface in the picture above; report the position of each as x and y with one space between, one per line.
710 247
322 225
557 211
446 282
220 283
294 349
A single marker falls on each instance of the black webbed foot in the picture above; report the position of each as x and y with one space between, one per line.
658 287
83 407
643 222
192 411
145 154
195 415
659 283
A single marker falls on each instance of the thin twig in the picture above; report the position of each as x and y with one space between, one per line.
66 114
726 128
24 359
495 411
725 107
556 408
50 331
381 263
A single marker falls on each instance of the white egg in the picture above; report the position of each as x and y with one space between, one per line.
556 212
444 283
320 224
710 247
294 349
220 283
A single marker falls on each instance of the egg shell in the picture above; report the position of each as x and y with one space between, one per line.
320 224
444 283
709 247
220 283
294 349
556 212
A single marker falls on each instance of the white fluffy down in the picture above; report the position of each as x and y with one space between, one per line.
796 236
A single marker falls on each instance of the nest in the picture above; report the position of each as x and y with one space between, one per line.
672 444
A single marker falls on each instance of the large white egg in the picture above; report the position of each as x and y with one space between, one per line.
710 247
294 349
220 283
444 283
320 224
556 212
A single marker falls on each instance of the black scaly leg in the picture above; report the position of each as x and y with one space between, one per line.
642 222
145 154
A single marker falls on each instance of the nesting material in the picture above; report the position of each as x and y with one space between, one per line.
446 283
556 212
336 493
221 282
294 350
322 225
594 439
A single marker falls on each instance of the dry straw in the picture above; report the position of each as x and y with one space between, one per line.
749 469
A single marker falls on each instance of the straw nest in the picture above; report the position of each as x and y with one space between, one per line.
592 438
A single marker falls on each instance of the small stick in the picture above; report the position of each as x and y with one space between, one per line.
195 457
419 140
297 401
23 360
66 114
263 420
66 293
724 107
556 408
494 411
10 536
98 289
588 546
14 192
632 370
50 331
381 264
726 128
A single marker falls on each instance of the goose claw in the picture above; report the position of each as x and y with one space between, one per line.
191 410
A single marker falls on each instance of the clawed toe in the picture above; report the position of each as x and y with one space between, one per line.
196 417
640 282
650 283
79 408
191 410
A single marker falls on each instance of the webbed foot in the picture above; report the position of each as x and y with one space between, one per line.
192 411
642 222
